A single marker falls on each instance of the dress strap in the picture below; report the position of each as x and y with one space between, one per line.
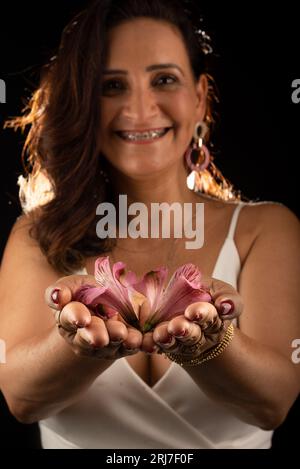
234 220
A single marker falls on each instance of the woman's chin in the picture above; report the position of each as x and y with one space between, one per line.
144 173
134 168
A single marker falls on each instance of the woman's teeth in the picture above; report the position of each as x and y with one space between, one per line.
139 136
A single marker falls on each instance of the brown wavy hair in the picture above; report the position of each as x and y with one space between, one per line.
64 169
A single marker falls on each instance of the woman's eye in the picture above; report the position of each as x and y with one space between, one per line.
112 86
166 80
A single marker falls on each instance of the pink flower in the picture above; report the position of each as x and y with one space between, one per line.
114 292
124 293
183 289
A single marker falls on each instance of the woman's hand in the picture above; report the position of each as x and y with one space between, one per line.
87 334
202 324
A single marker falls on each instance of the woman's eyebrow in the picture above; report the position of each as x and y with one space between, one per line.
150 68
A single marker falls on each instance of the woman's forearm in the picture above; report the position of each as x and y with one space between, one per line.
257 383
43 375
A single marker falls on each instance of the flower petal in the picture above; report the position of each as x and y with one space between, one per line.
88 294
183 289
151 286
118 293
190 272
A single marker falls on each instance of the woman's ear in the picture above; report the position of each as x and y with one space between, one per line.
201 92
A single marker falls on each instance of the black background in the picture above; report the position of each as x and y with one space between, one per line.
257 141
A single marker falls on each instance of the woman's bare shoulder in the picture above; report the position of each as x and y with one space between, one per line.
268 225
20 231
265 216
264 222
23 253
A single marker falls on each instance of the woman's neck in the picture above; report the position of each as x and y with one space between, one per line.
168 186
156 206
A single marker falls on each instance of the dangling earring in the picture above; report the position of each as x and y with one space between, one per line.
197 156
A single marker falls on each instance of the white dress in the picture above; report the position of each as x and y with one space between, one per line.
120 410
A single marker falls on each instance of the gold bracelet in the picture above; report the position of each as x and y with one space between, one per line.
208 355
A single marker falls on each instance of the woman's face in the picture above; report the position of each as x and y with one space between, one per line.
148 85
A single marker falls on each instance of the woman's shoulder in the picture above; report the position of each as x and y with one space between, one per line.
257 213
22 250
266 215
253 217
267 227
21 241
22 226
20 233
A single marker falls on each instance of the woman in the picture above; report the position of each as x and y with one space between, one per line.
116 113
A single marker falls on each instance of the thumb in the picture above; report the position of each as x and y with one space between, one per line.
58 296
61 292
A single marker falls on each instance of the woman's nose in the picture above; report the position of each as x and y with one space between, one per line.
140 105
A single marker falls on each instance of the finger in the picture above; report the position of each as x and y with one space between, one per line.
134 339
74 315
117 331
148 345
62 291
94 335
202 313
184 331
225 298
229 308
162 337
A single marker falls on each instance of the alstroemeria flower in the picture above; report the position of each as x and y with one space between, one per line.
114 292
183 289
124 293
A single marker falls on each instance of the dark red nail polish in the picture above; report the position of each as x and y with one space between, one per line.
227 306
54 296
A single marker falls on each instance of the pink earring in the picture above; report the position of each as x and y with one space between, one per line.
197 156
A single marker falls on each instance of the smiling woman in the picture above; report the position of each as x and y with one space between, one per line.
125 109
118 108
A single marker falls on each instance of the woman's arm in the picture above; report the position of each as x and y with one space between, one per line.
255 375
42 373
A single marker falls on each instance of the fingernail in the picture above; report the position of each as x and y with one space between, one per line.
227 307
54 296
181 333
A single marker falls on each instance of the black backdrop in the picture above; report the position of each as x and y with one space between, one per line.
256 140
